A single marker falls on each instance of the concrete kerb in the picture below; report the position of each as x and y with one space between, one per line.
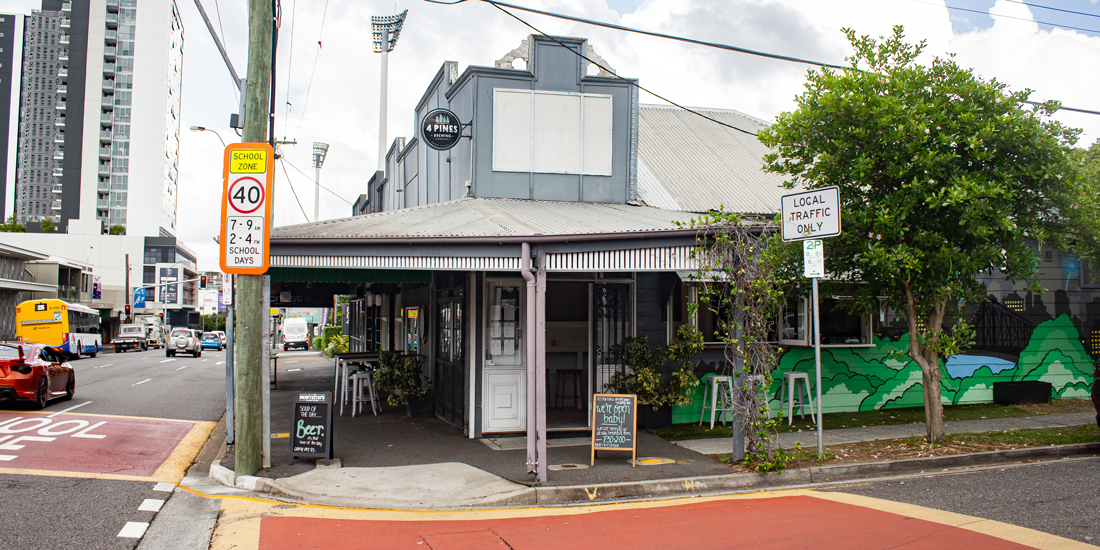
686 487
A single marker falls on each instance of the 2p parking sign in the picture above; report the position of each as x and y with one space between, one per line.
246 208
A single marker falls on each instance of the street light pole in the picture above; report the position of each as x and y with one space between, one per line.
320 150
202 129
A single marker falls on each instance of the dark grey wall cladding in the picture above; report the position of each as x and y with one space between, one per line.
7 77
442 175
74 117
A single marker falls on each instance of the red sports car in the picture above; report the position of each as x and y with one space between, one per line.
34 373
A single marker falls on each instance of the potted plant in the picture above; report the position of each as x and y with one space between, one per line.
643 379
403 375
336 344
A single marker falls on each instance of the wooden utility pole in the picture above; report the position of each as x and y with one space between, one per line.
250 311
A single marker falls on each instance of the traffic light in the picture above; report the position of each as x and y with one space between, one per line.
202 281
127 311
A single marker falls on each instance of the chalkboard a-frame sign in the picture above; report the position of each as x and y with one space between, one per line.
311 433
615 424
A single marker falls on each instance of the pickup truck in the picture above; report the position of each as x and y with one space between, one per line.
131 336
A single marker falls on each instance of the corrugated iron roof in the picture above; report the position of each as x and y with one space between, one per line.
686 162
489 217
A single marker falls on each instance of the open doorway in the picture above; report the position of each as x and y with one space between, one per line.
567 352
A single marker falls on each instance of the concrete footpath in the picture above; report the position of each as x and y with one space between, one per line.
394 461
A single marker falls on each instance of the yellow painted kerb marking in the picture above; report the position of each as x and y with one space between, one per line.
173 469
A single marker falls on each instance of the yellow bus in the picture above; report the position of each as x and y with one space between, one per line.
71 329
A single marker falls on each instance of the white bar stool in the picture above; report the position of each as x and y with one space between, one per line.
717 385
790 383
364 381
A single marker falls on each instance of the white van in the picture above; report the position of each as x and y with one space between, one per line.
295 333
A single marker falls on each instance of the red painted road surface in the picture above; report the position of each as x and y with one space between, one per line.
780 522
87 443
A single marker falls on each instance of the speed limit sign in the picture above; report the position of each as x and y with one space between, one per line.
246 208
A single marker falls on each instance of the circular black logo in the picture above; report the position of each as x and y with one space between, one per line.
441 129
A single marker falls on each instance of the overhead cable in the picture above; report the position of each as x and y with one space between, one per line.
292 191
311 180
320 36
1029 20
1029 4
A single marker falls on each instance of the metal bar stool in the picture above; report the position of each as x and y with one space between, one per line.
720 389
364 381
790 383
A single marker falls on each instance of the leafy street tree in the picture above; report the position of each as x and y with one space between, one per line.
117 230
1080 231
13 226
942 176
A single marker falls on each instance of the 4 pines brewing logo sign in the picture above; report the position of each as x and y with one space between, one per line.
441 129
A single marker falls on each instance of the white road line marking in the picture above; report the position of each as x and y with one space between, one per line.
8 457
133 530
167 360
107 365
204 360
220 363
293 370
151 505
183 367
69 409
164 487
142 382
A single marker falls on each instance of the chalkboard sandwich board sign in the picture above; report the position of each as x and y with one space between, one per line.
311 433
615 424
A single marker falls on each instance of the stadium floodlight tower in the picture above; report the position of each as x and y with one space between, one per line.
319 152
386 30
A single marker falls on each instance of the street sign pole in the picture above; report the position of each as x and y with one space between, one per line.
808 216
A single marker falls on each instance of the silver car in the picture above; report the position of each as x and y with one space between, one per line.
183 340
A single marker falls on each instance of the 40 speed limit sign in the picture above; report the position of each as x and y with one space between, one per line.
246 208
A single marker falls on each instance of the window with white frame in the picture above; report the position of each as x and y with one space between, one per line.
551 132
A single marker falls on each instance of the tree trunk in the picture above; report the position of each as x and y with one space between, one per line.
923 352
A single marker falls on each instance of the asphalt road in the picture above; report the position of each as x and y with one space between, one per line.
1060 497
61 511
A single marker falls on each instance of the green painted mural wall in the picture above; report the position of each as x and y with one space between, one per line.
867 378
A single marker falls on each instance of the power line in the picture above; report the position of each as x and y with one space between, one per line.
218 10
293 192
320 35
956 8
289 65
712 44
631 82
314 182
1029 4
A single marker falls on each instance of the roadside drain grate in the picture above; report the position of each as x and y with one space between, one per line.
561 467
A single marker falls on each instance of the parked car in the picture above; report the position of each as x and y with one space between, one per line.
34 373
212 341
183 340
130 336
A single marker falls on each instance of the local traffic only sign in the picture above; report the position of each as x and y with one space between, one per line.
246 208
811 214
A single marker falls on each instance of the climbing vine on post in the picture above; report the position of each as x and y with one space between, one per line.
736 283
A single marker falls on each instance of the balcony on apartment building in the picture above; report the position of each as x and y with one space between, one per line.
105 152
67 8
58 172
105 136
60 106
108 102
63 73
59 138
62 90
56 206
63 56
65 25
112 6
58 188
110 37
104 185
109 52
102 202
109 69
105 169
112 21
59 154
105 119
108 84
59 122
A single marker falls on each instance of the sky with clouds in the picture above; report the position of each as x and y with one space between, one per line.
328 75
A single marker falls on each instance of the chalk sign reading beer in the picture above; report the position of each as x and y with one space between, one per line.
311 432
614 424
